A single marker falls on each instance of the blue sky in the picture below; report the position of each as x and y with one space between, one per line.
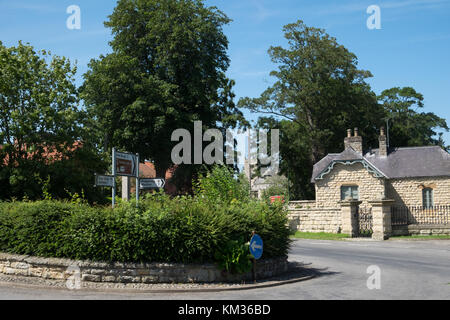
411 49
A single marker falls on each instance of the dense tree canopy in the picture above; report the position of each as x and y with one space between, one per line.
39 125
166 71
320 92
407 125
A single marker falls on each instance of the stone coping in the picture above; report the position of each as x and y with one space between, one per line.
116 272
313 209
295 274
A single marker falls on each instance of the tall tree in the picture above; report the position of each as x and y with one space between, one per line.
407 125
320 88
41 127
166 71
319 93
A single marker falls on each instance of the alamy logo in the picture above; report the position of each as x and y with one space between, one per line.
230 150
74 20
374 21
73 282
374 281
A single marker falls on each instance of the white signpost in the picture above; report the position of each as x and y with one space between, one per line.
123 164
126 165
152 183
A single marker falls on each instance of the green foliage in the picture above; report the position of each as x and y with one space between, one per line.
234 257
219 185
408 126
278 186
183 229
166 70
320 92
43 142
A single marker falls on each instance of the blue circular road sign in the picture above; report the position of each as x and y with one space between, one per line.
256 246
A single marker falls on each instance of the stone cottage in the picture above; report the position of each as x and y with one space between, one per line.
412 176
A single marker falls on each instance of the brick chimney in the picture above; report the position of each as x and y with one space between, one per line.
355 142
383 143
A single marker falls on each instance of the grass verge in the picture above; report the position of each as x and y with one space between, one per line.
319 235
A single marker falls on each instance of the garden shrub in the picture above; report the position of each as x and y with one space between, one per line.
161 229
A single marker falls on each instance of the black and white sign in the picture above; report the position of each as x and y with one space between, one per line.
104 181
152 183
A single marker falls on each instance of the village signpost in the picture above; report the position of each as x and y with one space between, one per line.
104 180
123 164
126 164
152 183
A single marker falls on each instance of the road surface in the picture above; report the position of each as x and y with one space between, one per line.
407 270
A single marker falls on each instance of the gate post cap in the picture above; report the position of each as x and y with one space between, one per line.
382 202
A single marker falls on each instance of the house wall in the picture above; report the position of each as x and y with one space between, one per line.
408 191
328 190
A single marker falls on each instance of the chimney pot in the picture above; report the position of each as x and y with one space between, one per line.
349 133
354 142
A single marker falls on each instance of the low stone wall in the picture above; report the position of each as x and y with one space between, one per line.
302 204
315 220
421 229
62 269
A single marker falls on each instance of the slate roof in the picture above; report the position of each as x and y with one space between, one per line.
400 162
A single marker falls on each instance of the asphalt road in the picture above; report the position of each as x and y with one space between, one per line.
407 269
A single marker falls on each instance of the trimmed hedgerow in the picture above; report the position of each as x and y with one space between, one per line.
161 229
214 225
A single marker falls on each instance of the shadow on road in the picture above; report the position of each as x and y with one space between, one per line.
298 270
299 267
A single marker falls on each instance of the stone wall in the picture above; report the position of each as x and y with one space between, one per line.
315 220
302 204
423 229
328 190
408 191
62 269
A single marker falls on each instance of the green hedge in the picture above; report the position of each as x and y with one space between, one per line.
184 229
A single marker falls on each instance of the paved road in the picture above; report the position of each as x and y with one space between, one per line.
409 270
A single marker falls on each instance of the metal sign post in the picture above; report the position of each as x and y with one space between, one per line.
137 180
114 175
256 249
125 165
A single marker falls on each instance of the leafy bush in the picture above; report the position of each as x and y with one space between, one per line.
234 257
219 185
161 229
